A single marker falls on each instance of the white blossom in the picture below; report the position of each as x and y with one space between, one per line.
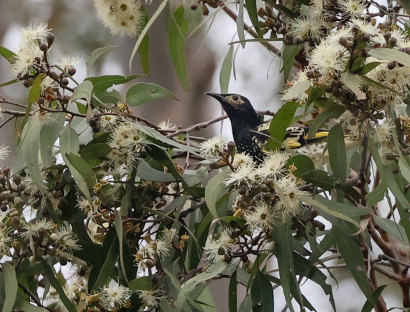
220 244
329 58
33 34
242 159
65 238
4 152
114 295
308 27
242 175
211 148
384 132
273 165
150 297
5 239
352 8
123 17
25 59
289 203
364 27
261 216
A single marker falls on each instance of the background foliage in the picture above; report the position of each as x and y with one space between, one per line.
104 210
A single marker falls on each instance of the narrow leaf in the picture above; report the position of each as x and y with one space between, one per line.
96 54
56 284
83 91
143 50
391 55
7 54
337 153
240 25
11 290
262 294
102 83
177 32
333 111
233 293
253 15
120 235
151 21
214 190
279 123
143 92
225 74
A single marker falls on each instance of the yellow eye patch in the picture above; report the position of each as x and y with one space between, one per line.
234 100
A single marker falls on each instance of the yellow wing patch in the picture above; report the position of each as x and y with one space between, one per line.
319 135
292 142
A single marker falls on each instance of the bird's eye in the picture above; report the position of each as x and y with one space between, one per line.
235 98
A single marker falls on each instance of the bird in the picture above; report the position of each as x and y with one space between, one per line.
250 133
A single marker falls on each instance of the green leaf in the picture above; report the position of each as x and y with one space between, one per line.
349 247
158 137
302 163
143 92
35 90
10 280
288 56
296 90
146 172
95 151
327 208
315 93
337 153
69 144
49 133
96 54
377 194
393 228
391 55
214 190
333 111
50 275
319 178
143 50
240 27
246 304
102 83
108 266
283 251
9 83
353 82
279 123
7 54
23 305
367 68
177 32
225 74
306 268
253 15
387 175
83 168
233 293
147 26
261 293
368 306
120 235
29 147
141 283
83 90
33 96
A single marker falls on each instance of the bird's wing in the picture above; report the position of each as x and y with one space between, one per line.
295 137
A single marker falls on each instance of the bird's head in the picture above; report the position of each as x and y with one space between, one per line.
238 108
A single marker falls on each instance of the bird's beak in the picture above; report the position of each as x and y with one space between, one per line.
215 95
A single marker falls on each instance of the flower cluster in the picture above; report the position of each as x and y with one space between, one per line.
123 17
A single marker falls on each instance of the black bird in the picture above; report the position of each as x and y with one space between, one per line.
250 134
